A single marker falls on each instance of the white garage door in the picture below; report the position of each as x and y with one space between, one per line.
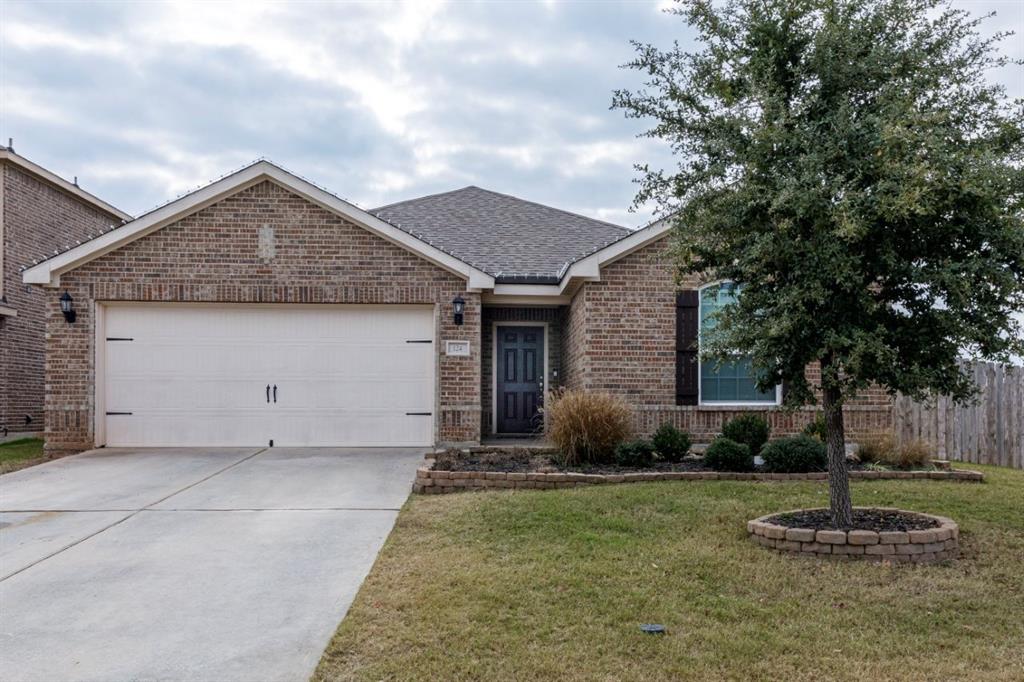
294 375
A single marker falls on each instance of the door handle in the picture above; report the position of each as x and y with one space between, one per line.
268 393
275 393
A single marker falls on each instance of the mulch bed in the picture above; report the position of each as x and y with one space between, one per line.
525 461
878 520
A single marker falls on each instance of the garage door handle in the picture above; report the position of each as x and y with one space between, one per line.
275 393
268 393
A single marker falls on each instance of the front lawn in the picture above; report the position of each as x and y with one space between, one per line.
554 585
21 453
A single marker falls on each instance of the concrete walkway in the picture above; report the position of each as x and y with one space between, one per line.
186 564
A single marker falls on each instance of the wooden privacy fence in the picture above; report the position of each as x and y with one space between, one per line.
989 431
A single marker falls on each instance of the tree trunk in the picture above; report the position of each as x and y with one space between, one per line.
838 477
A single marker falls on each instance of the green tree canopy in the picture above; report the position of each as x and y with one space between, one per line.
848 163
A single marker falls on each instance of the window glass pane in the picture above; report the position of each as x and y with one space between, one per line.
709 388
748 392
728 390
732 381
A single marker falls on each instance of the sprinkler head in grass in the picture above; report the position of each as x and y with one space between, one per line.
653 628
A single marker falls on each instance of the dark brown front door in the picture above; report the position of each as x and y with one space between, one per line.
520 385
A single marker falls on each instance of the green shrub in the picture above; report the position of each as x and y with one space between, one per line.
795 455
671 443
637 454
817 428
586 427
725 454
750 429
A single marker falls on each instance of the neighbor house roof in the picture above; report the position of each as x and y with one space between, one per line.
515 240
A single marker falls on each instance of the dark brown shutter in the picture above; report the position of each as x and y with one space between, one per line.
687 325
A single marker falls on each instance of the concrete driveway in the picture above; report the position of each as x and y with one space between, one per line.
186 564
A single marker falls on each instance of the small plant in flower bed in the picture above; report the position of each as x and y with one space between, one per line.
750 429
671 444
725 454
816 428
795 455
586 427
913 455
876 448
637 454
881 449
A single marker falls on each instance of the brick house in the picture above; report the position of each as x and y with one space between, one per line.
262 309
39 212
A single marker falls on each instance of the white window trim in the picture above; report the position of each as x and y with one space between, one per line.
700 361
494 366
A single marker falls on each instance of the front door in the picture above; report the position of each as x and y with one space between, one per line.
520 378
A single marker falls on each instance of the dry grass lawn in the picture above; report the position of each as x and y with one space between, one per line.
552 585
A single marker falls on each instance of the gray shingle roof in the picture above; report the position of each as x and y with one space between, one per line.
509 238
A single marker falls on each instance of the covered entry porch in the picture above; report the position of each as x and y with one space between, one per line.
521 354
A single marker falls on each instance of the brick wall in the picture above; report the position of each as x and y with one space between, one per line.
211 256
554 317
620 338
574 343
37 218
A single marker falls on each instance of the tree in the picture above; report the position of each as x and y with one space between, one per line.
849 165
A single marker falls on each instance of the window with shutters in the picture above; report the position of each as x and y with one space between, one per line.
732 382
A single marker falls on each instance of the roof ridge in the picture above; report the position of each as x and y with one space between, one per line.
425 196
551 208
626 230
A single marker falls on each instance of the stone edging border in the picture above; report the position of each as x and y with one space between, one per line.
916 546
432 482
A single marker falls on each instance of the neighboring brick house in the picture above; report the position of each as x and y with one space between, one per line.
39 212
264 310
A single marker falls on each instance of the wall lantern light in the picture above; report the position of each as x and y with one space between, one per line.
459 306
65 307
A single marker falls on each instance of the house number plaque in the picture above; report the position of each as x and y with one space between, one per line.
456 348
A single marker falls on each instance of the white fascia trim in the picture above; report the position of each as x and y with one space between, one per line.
527 289
48 272
54 179
589 269
529 299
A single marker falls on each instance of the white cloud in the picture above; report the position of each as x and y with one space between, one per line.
377 101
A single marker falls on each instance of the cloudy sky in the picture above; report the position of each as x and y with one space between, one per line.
377 102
